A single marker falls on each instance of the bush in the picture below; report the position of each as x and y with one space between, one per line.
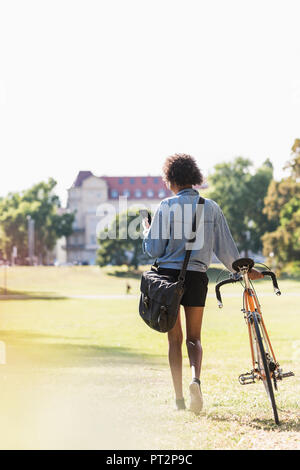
292 269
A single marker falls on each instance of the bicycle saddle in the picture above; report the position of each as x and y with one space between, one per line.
243 263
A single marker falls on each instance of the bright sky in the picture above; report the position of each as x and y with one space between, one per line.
114 86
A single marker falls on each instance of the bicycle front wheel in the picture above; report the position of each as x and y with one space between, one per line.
264 366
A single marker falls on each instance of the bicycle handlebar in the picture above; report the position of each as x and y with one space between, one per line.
218 293
274 280
232 281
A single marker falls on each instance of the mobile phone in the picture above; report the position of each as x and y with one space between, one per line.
145 215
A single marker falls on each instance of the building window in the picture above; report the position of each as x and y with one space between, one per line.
132 180
144 180
155 180
138 193
150 192
126 193
121 181
114 193
161 193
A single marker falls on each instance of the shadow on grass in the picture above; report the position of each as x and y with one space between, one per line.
212 273
287 423
44 350
29 295
290 423
131 274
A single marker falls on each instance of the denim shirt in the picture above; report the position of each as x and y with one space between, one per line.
171 229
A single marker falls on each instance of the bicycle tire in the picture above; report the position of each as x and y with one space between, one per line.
267 381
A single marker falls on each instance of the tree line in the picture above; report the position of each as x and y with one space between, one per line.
43 206
263 214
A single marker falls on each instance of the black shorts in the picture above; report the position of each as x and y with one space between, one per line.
195 286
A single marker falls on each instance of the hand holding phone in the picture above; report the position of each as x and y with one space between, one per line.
146 215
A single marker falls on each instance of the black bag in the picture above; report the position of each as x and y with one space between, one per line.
161 294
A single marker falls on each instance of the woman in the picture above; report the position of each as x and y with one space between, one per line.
166 240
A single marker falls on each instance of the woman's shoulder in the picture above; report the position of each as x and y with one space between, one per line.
210 205
213 204
212 208
169 201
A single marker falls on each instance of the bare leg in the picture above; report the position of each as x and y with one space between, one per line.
195 356
175 337
193 341
194 317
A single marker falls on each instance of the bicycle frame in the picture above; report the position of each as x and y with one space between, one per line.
252 304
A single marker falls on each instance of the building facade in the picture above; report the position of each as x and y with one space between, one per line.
90 193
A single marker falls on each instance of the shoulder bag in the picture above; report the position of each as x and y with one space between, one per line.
160 295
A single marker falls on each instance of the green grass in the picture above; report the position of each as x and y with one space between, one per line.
88 373
48 281
67 280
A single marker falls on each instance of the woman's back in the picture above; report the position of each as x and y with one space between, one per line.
171 228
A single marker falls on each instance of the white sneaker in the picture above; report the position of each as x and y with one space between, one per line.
196 403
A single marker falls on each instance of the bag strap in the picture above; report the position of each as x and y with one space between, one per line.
186 260
187 256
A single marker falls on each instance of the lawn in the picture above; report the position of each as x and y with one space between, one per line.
87 373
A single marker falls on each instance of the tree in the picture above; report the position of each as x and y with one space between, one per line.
282 207
294 164
284 242
121 243
240 192
257 188
43 206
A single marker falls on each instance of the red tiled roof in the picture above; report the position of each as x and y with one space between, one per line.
134 187
137 187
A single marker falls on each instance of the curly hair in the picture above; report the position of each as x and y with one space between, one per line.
182 170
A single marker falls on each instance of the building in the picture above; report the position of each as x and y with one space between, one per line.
89 193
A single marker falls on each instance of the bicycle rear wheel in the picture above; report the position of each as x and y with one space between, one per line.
264 366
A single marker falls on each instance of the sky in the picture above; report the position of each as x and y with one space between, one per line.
115 86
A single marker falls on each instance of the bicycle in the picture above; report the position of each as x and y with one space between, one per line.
265 366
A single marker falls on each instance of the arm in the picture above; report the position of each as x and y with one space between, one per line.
225 248
224 245
157 236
